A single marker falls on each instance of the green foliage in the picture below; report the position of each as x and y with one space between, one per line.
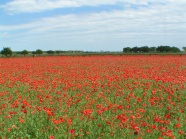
6 51
167 49
175 49
24 52
152 49
163 48
50 52
58 52
39 52
127 49
184 48
135 49
146 49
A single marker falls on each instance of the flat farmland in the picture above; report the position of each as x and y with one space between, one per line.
93 97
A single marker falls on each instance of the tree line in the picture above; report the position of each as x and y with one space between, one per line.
7 52
146 49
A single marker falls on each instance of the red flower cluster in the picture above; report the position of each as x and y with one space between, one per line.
93 97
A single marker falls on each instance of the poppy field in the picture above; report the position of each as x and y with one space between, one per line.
93 97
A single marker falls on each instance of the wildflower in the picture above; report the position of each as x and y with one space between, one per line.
51 137
153 126
21 120
99 112
87 132
168 116
108 122
136 133
177 125
137 128
180 132
69 122
56 121
72 131
14 126
112 133
87 112
9 129
49 112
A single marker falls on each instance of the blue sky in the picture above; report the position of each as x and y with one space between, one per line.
91 25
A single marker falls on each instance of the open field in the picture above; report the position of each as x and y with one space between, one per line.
93 97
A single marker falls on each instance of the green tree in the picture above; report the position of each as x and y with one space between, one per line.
152 49
58 52
135 49
184 48
39 52
6 51
127 50
33 52
144 49
50 52
24 52
175 49
163 49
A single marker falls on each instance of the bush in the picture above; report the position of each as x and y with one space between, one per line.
6 51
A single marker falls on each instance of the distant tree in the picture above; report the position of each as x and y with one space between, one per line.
167 48
184 48
24 52
175 49
152 49
58 52
17 52
135 49
160 49
33 52
39 52
163 49
50 52
144 49
6 51
127 50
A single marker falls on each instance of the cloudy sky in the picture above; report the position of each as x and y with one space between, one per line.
91 25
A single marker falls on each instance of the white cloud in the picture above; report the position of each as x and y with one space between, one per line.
130 19
31 6
156 25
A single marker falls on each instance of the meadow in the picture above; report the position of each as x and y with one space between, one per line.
93 97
